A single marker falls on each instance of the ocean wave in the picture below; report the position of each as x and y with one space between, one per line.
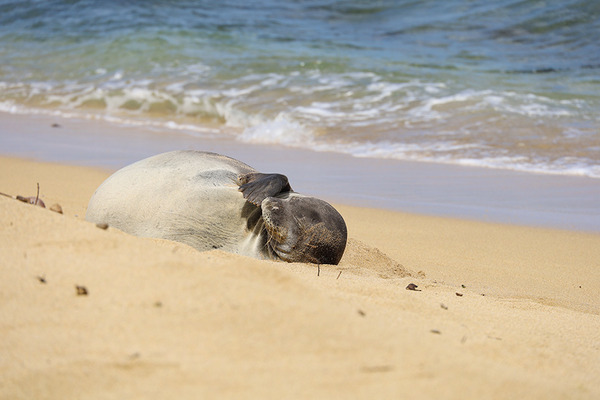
469 155
284 130
437 153
360 113
501 84
330 99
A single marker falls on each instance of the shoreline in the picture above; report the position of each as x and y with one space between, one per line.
481 194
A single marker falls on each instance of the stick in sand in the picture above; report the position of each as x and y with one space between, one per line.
31 200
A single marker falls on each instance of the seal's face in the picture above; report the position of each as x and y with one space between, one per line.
304 229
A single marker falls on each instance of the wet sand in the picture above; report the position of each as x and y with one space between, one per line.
482 194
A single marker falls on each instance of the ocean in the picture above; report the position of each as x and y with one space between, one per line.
505 84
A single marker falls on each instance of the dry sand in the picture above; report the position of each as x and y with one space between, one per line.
503 312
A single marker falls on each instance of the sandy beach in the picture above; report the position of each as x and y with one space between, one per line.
460 143
501 311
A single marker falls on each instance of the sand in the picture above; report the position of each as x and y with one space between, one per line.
502 311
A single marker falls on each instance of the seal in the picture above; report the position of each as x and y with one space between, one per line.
210 201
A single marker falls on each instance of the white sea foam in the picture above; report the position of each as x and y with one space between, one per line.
283 130
337 99
286 132
438 153
411 120
279 131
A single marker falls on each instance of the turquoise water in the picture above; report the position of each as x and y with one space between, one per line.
502 84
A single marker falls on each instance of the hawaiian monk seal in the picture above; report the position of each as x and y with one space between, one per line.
210 201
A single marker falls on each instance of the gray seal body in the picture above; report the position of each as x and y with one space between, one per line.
210 201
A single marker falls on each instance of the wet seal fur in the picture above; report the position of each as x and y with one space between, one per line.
210 201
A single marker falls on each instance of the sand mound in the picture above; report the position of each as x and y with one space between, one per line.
360 257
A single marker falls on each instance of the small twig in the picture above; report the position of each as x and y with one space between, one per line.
31 200
338 277
318 269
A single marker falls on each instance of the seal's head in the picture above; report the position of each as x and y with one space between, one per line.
303 229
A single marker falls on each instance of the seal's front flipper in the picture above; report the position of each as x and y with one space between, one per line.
256 186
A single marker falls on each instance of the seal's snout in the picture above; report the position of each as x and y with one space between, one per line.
273 212
274 219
